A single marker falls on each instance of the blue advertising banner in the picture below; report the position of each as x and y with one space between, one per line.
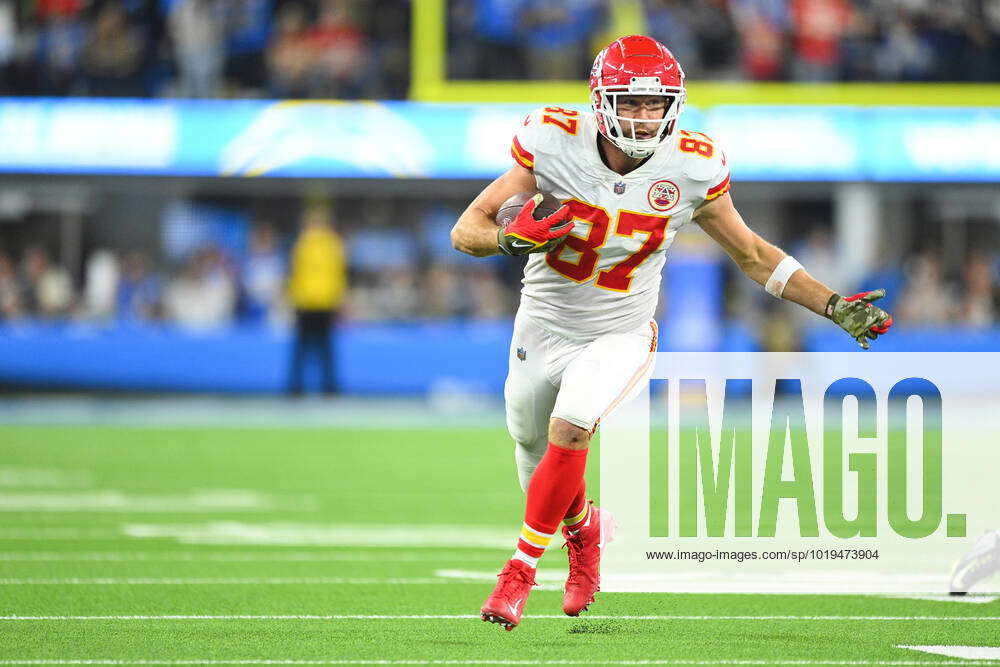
330 139
934 144
791 143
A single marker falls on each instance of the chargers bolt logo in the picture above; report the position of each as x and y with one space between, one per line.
664 195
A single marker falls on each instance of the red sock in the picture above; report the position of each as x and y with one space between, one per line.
578 509
556 482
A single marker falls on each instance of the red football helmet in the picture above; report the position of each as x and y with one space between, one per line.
635 65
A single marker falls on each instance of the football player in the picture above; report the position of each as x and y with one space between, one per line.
629 179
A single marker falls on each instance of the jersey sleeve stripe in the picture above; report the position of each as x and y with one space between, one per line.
521 156
521 161
719 190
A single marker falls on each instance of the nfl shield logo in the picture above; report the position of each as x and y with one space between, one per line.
522 354
620 188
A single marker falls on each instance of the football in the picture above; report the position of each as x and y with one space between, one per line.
510 208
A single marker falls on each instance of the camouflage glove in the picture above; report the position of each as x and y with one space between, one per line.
857 316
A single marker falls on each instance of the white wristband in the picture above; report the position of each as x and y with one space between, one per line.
775 285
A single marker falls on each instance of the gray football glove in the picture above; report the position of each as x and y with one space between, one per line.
858 317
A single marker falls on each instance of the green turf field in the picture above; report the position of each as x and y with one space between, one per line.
124 545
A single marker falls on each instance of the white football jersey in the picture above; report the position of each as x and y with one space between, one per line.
605 277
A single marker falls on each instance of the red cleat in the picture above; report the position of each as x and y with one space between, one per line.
584 550
506 602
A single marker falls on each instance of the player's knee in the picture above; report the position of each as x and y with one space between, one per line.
566 435
522 422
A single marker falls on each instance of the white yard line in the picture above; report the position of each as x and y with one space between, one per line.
562 617
802 583
298 534
242 413
491 662
945 597
963 652
208 501
227 581
238 556
44 533
545 576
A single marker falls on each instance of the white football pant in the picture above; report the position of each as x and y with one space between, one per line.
579 381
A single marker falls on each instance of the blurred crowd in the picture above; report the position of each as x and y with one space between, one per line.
128 287
922 290
205 48
391 273
352 49
800 40
406 271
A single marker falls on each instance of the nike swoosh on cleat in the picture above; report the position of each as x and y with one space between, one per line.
513 607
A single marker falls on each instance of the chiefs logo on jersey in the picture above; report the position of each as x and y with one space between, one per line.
664 195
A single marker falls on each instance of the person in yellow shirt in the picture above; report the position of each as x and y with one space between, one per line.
317 285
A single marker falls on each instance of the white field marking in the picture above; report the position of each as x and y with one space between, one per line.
45 533
44 477
646 583
944 597
449 617
227 581
467 411
249 581
238 556
541 576
333 535
362 661
964 652
802 582
113 500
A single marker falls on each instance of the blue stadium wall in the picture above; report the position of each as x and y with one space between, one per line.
378 359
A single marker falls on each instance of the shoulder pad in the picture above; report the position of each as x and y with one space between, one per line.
702 158
555 126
